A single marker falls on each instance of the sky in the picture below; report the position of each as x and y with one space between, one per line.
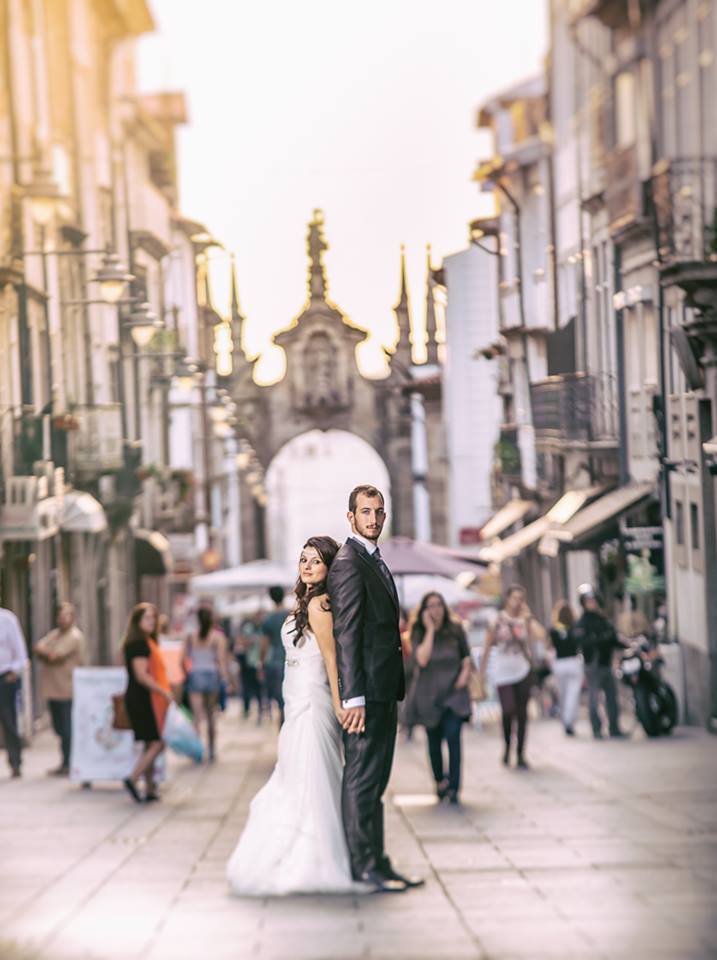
367 111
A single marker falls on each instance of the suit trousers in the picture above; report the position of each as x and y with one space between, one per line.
367 769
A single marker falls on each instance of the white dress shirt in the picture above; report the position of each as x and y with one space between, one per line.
371 547
13 652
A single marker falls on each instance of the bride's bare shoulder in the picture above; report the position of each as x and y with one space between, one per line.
319 608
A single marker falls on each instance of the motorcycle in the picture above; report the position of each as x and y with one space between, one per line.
655 700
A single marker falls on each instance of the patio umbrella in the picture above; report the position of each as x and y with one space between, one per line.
405 556
247 577
413 558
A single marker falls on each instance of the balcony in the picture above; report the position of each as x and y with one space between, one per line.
95 442
177 503
625 192
615 14
685 199
29 512
575 407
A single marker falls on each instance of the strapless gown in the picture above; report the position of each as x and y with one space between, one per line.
294 840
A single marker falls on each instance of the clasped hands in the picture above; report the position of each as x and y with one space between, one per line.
353 719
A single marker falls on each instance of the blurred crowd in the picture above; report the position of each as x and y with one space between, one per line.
460 671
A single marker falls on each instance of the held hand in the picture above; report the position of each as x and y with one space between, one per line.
354 720
340 713
168 696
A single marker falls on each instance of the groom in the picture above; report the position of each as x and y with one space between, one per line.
365 607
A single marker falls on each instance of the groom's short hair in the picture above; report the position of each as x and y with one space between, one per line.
368 490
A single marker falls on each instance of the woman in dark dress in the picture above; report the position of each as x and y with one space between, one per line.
440 699
147 695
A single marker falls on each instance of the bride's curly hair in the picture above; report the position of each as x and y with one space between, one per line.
327 548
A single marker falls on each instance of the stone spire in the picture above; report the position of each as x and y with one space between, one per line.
432 345
237 321
403 318
316 245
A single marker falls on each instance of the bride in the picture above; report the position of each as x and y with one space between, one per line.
294 838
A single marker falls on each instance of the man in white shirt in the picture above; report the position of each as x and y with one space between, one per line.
13 657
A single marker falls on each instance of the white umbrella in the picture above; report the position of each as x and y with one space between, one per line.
244 578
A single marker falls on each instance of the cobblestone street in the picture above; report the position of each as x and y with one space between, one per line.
604 850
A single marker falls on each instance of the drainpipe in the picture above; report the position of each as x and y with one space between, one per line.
624 473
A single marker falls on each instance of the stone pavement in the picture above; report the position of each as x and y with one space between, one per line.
603 850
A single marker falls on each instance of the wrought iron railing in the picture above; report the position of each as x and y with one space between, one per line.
684 194
575 406
95 439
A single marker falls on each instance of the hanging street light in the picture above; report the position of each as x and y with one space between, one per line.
44 194
143 324
112 277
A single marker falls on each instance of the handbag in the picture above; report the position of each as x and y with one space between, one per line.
459 701
120 717
476 686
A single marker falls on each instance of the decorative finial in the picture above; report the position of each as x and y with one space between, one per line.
316 245
403 289
431 327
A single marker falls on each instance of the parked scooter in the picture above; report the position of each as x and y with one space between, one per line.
655 700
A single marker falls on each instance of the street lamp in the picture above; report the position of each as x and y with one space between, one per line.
43 193
185 374
143 324
112 278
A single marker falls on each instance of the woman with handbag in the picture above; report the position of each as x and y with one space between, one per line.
511 639
439 698
147 696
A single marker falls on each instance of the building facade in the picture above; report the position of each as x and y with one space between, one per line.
99 310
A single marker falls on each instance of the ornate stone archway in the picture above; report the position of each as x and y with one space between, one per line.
323 388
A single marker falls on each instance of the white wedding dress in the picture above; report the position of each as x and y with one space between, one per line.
294 841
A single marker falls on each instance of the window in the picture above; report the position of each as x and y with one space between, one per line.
679 523
695 525
625 119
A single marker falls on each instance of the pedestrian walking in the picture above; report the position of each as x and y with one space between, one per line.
59 653
439 698
598 640
247 651
147 696
13 658
206 664
567 664
272 654
511 639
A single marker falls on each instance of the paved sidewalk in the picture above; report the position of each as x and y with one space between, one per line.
603 850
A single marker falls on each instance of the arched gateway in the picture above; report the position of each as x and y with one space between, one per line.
324 389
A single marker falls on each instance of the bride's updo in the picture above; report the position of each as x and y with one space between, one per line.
327 548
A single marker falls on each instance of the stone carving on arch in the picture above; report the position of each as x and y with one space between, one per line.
323 388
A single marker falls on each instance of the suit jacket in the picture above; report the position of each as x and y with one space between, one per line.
366 617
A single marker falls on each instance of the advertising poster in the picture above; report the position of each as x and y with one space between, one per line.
99 752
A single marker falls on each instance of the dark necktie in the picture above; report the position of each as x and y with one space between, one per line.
385 572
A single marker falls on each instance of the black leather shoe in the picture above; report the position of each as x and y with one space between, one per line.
132 790
410 882
379 883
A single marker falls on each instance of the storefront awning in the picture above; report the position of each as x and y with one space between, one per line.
560 513
587 522
152 553
511 513
81 513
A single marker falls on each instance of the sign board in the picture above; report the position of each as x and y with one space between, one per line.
636 539
99 752
469 536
